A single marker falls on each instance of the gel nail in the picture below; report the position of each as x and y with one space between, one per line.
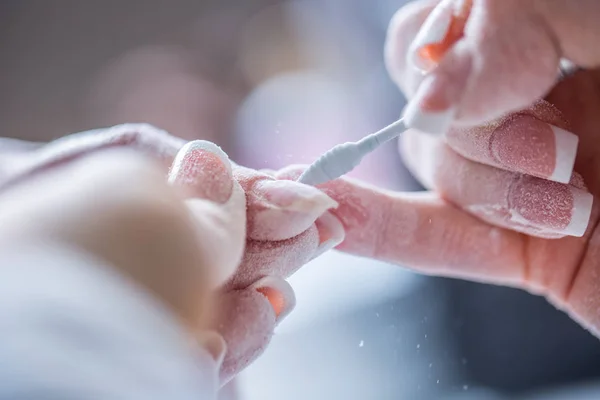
331 233
434 106
528 145
444 27
279 294
203 170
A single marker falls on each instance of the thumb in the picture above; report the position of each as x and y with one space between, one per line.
505 57
204 173
116 205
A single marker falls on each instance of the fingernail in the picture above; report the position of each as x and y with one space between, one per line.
293 196
203 170
279 294
424 48
331 233
528 145
550 206
215 345
444 27
431 110
282 209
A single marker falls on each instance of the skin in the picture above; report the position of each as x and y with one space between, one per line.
487 74
439 232
218 242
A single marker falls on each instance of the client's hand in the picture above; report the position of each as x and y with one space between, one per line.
287 225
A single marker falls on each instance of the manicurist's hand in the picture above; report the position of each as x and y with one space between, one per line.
513 184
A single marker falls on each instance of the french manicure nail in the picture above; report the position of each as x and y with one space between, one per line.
279 294
528 145
203 170
215 345
550 206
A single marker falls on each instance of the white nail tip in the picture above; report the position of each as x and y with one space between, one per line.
282 287
435 123
582 211
566 151
433 31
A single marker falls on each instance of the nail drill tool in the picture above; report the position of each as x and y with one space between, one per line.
343 158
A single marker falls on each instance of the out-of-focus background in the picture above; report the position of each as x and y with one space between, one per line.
274 83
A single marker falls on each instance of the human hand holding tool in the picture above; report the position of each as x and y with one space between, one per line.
215 246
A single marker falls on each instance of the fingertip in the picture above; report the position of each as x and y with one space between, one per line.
203 170
214 344
279 293
331 233
281 209
581 214
403 28
566 151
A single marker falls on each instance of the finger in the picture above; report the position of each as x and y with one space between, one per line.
508 57
535 141
143 138
117 206
403 28
281 259
214 344
279 209
203 172
248 320
523 203
423 232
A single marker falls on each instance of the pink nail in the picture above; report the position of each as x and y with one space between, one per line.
526 144
293 196
203 170
279 210
550 206
279 294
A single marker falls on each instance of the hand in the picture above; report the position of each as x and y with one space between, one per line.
287 225
116 206
490 219
506 57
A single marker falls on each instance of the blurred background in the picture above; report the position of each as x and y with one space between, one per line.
275 83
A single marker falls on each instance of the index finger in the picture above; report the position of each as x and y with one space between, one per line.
425 233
